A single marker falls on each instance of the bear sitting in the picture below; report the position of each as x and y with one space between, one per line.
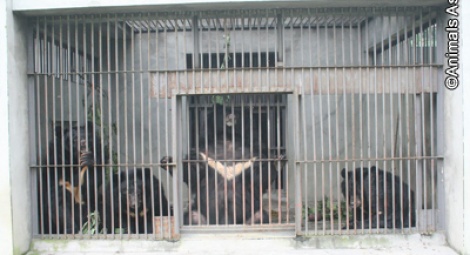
374 193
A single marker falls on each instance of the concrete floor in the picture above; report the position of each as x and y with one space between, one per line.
254 244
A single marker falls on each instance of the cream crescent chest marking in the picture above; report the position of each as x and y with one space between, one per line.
228 172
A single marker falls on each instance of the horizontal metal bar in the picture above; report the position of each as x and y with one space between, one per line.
165 84
238 69
369 159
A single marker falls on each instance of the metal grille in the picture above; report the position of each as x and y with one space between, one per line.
127 104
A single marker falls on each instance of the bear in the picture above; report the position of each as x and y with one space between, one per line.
382 193
68 183
133 197
243 178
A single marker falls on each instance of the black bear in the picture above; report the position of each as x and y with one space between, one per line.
373 193
227 122
69 181
226 184
133 198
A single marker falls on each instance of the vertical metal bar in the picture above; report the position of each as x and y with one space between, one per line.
32 56
158 129
196 38
384 112
280 169
140 98
216 181
101 87
133 115
53 118
118 137
399 135
153 196
430 43
353 113
61 77
376 116
46 106
110 137
233 155
361 149
429 191
185 118
157 120
280 37
417 128
298 168
375 119
302 124
126 140
93 135
345 121
336 126
37 55
242 107
407 110
323 131
423 123
312 117
85 73
439 148
47 140
176 105
319 74
393 133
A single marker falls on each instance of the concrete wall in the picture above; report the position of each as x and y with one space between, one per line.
465 65
15 175
6 218
457 142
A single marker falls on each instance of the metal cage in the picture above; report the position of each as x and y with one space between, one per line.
335 129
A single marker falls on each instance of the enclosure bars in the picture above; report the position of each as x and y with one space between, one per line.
377 62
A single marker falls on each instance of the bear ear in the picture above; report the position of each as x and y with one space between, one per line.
343 173
373 168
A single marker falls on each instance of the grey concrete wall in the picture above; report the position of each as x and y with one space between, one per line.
16 193
453 169
465 28
19 133
51 6
6 217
